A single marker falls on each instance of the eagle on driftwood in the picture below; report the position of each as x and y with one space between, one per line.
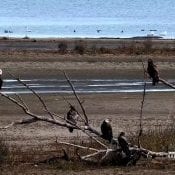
124 144
153 72
72 117
106 130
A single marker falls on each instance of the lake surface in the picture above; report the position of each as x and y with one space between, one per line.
87 86
87 18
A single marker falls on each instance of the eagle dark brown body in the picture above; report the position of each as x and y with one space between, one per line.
153 72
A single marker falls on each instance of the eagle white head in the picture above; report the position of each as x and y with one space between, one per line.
107 120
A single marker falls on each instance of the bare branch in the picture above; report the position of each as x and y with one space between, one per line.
167 83
37 117
84 129
36 94
22 106
22 101
56 115
93 154
77 146
102 144
73 89
142 103
53 121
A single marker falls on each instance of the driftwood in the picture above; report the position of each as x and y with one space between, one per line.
167 83
111 153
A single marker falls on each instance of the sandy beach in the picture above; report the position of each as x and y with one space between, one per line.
40 59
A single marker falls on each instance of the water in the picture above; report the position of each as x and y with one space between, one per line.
87 86
87 18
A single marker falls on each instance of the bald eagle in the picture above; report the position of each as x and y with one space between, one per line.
106 130
153 72
71 117
124 144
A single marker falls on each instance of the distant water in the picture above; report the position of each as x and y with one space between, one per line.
87 18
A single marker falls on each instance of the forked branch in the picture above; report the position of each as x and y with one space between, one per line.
78 99
36 94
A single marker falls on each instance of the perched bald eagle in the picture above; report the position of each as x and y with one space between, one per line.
153 72
1 81
106 130
124 144
71 117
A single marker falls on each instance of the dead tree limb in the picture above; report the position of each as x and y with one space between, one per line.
78 146
24 107
36 94
142 103
84 113
84 129
167 83
22 101
36 117
78 99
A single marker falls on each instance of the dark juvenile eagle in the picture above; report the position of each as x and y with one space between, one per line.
153 72
124 144
1 81
71 117
106 130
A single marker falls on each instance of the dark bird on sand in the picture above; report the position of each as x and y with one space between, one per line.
153 72
106 130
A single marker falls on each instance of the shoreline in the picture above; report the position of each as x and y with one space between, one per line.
143 37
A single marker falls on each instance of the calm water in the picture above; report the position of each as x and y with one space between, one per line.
83 86
87 18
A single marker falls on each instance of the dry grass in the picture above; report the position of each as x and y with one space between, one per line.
4 151
158 139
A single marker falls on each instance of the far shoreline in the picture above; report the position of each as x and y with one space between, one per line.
144 37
